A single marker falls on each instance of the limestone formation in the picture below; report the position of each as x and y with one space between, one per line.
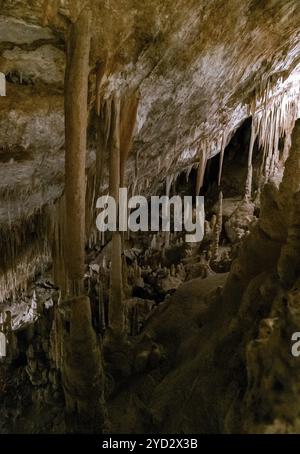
130 332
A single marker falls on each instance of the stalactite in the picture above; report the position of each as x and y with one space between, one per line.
50 10
23 254
217 229
100 72
290 183
274 112
169 180
107 118
201 171
128 115
101 131
248 186
95 174
159 163
223 145
136 170
76 92
188 172
76 7
93 236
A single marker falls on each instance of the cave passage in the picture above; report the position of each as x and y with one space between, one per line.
146 330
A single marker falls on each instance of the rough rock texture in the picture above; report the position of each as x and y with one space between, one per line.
226 364
80 367
213 357
197 72
196 69
44 64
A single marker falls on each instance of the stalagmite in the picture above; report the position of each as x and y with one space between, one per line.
128 113
101 307
286 148
172 270
116 308
81 370
135 324
154 242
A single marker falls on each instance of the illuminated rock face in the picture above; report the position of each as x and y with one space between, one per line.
199 75
185 75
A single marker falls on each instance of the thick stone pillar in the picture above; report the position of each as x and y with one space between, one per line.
80 364
76 92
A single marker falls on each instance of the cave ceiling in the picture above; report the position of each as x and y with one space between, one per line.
196 64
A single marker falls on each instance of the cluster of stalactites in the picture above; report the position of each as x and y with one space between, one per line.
207 149
23 255
274 112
